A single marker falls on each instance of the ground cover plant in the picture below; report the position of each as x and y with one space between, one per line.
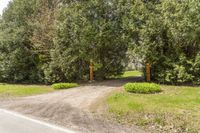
142 88
64 85
7 90
175 109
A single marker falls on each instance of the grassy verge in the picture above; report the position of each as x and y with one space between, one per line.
7 90
176 109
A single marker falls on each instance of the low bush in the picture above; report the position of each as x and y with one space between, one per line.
64 85
145 88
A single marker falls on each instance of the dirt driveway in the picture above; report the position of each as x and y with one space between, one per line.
72 108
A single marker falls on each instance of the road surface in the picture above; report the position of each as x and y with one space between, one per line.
11 122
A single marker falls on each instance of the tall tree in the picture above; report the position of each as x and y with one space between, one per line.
90 30
167 37
17 61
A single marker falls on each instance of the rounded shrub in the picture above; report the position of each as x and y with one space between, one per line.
145 88
64 85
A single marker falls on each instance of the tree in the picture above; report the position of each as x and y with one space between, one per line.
18 63
55 40
167 33
89 31
59 39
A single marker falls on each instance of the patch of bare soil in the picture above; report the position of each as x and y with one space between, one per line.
73 108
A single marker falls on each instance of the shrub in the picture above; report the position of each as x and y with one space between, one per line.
145 88
64 85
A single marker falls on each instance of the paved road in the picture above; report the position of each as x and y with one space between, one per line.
11 122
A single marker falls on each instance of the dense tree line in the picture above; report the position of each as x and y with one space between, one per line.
55 40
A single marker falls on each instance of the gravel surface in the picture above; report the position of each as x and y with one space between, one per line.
73 108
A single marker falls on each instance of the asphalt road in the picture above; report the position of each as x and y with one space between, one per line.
11 122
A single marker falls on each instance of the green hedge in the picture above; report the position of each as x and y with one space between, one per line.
145 88
64 85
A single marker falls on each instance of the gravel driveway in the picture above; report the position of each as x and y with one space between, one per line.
72 108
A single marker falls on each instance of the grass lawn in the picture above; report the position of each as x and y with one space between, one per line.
176 109
127 74
132 74
23 90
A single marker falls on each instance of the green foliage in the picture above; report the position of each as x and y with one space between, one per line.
64 85
196 69
89 31
167 36
18 62
7 90
175 107
145 88
54 41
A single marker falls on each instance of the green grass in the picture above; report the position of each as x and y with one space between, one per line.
128 74
7 90
132 74
175 109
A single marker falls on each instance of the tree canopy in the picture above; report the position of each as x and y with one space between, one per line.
55 40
